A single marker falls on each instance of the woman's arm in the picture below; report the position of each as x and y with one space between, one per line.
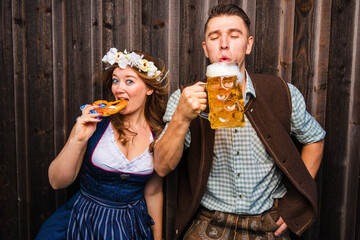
154 201
65 167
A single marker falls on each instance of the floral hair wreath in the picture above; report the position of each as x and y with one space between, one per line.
133 60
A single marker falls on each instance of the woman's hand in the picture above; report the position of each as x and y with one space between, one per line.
86 124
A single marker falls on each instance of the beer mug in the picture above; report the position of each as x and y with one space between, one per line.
226 103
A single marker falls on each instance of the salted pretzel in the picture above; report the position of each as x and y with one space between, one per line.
109 108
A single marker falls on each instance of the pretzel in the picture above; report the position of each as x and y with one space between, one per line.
109 108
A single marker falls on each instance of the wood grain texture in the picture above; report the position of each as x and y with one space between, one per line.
20 136
50 58
340 186
321 42
266 49
8 175
39 109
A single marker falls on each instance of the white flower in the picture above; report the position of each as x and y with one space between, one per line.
123 62
110 56
134 60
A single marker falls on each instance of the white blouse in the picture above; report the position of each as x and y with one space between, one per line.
109 157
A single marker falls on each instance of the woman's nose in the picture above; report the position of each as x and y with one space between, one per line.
120 87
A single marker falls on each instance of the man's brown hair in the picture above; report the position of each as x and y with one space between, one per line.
228 9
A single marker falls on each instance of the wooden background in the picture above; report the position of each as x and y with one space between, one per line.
51 49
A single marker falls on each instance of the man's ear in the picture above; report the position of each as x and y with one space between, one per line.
205 49
249 44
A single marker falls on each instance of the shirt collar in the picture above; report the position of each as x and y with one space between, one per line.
249 90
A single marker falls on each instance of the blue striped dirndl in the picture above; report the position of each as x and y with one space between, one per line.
94 218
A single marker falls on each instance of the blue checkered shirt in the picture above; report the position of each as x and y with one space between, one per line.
244 178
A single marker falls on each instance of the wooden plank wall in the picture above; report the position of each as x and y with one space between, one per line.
51 50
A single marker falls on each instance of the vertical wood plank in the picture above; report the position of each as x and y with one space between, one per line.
192 58
302 68
321 38
357 231
353 134
134 15
287 9
108 24
355 125
118 29
122 25
20 87
267 32
154 29
79 84
78 46
250 8
8 208
61 128
96 48
338 173
173 41
39 101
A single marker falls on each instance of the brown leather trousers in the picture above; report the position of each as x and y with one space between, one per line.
219 225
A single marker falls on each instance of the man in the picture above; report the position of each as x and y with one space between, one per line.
241 182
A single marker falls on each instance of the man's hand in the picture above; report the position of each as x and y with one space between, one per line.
282 227
192 101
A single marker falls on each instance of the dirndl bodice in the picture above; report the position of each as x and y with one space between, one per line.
109 205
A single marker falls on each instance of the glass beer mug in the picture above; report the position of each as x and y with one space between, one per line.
226 103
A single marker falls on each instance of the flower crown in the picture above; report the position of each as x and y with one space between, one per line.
133 60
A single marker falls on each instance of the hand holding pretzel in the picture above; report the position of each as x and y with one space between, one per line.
86 123
109 108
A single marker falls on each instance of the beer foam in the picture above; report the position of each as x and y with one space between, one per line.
222 69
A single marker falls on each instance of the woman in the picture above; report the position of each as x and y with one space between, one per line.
120 197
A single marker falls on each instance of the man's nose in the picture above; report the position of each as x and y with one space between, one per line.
224 43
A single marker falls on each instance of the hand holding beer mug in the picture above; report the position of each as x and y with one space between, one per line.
226 103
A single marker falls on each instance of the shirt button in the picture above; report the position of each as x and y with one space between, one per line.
235 131
240 196
237 153
238 174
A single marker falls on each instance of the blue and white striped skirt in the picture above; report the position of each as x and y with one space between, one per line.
94 218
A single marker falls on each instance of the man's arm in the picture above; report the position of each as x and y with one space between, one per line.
168 150
311 155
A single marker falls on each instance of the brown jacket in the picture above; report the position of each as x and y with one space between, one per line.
269 114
